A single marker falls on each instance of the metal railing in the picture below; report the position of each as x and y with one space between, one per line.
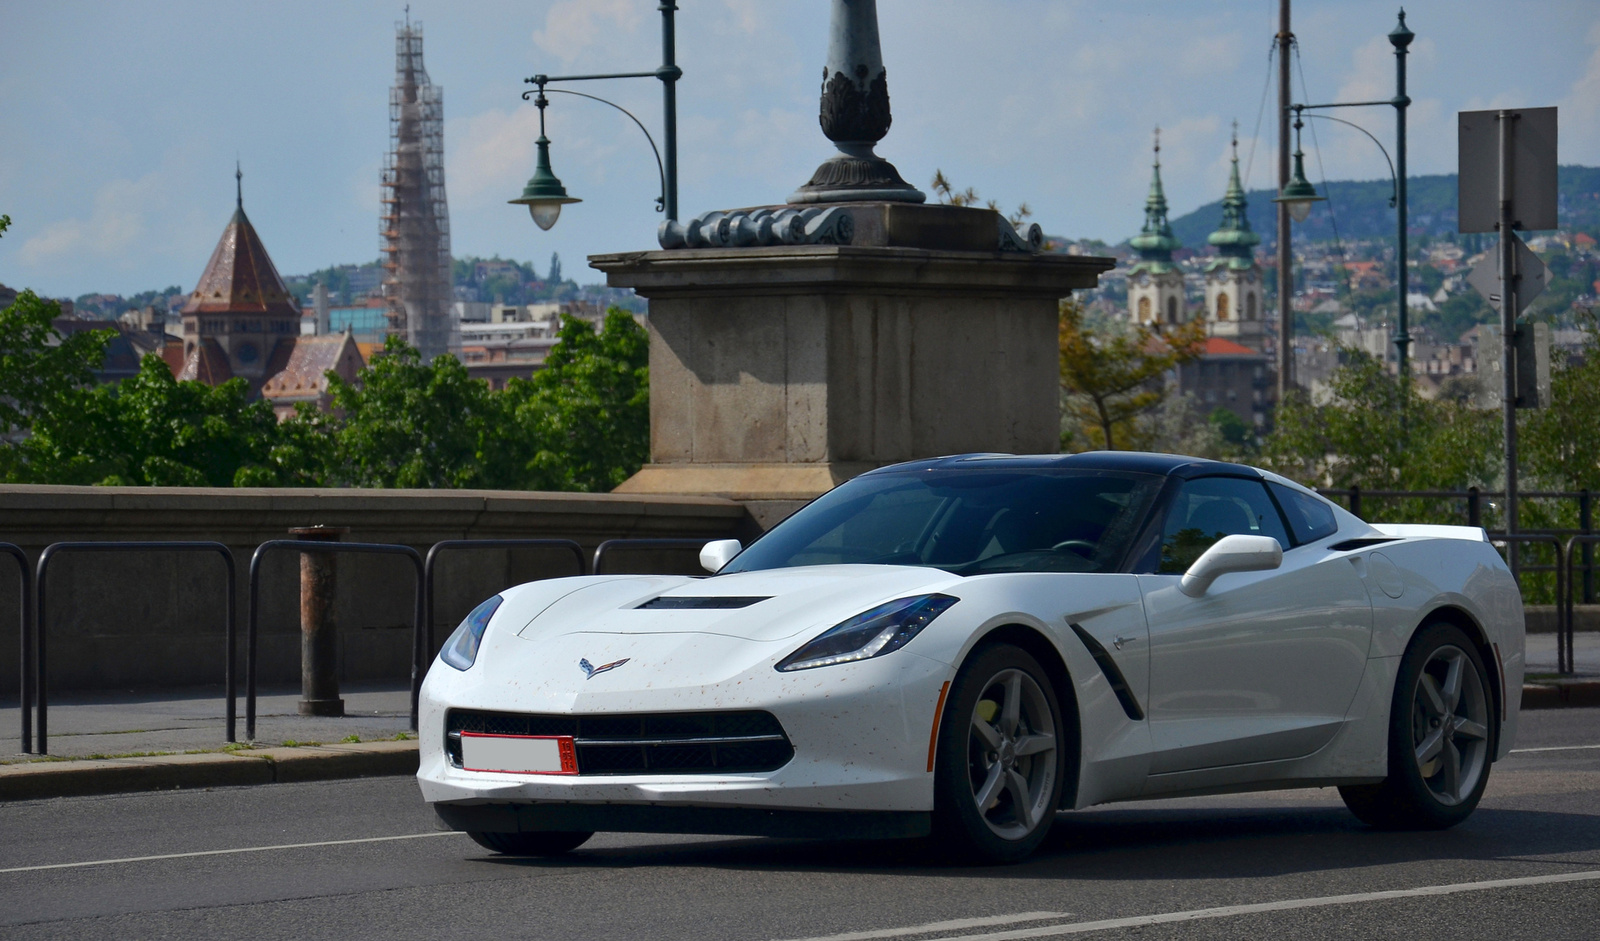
25 631
610 546
41 675
1563 574
1565 661
300 545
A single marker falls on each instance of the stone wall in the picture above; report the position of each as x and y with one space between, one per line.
134 620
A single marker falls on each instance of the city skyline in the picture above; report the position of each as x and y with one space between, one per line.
137 115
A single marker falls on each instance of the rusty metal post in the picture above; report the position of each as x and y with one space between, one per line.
319 630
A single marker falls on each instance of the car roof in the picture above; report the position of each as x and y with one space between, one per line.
1167 465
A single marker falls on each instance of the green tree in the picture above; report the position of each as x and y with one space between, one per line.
586 415
1114 377
151 430
1376 434
406 423
1560 444
38 366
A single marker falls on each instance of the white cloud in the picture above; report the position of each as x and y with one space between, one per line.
490 151
571 27
1579 137
114 227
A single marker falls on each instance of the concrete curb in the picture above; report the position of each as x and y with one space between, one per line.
44 779
1561 694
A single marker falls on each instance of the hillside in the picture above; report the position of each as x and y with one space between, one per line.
1361 209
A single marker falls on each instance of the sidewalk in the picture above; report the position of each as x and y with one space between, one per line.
133 741
1545 689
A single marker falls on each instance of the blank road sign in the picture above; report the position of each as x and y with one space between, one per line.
1533 169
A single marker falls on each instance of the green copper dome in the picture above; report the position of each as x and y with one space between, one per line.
1155 242
1233 238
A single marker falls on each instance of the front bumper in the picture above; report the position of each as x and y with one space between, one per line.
861 734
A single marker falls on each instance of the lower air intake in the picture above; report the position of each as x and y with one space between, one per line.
645 743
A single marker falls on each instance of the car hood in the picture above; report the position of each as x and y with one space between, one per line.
774 604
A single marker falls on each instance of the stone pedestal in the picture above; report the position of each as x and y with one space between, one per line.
778 372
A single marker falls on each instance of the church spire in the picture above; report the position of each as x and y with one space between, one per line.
1155 242
238 182
1233 237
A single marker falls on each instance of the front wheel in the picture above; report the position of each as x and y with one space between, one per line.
552 843
1001 758
1441 737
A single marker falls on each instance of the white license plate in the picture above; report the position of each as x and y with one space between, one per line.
519 754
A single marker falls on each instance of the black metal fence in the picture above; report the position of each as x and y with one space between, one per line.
33 661
41 684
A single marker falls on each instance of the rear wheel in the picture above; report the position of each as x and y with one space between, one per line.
1441 737
530 844
1000 764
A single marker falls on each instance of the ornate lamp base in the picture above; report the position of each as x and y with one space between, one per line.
856 174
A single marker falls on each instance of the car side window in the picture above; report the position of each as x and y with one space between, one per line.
1208 508
1309 518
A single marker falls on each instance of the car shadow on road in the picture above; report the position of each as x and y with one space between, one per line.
1135 843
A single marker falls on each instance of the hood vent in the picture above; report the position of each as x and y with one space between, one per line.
677 603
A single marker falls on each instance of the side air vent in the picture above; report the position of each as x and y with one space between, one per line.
1108 666
1365 542
682 604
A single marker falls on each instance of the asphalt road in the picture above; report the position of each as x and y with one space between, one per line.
227 864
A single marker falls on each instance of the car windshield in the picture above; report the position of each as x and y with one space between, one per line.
965 521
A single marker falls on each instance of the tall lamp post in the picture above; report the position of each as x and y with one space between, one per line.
544 195
1298 193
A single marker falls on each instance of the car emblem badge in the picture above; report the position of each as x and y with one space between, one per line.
590 671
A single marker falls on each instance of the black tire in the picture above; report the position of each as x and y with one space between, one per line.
969 756
1441 743
551 843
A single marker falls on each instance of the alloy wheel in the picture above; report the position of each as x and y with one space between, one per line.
1450 725
1011 754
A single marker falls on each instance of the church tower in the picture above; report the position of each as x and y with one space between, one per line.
1235 307
1155 285
241 312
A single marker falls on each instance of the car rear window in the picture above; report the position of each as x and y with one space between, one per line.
1310 519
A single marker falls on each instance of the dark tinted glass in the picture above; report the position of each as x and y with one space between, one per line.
1309 518
1206 509
969 522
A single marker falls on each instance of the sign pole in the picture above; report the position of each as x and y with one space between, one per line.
1508 326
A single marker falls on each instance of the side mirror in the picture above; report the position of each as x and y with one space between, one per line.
714 555
1231 554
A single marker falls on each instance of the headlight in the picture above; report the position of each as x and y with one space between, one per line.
870 634
462 647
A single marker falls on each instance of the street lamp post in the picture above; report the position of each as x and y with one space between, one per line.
544 195
1298 194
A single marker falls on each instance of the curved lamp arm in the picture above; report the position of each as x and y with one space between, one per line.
661 201
1393 180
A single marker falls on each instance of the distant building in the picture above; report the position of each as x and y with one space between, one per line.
1155 283
1228 375
241 321
1234 305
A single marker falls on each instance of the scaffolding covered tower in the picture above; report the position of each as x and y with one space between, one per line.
415 219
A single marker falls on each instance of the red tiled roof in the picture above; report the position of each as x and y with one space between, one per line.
240 277
1217 346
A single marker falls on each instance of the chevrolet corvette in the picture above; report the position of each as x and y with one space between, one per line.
962 647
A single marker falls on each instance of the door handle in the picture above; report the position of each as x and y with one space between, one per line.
1119 640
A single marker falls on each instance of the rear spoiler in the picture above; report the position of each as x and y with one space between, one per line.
1431 531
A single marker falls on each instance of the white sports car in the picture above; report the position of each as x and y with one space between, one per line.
963 646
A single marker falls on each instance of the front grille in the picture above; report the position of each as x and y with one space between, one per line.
644 743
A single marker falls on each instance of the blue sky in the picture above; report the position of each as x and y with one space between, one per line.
120 122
